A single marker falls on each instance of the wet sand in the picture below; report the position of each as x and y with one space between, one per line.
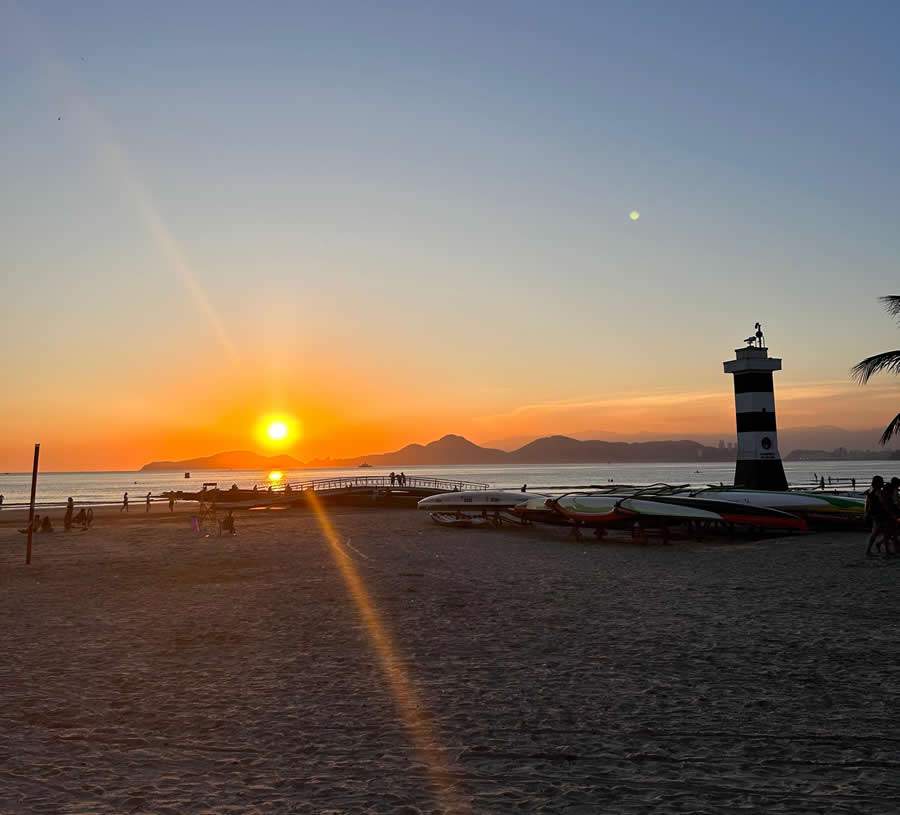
146 670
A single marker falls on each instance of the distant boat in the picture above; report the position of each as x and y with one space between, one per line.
365 466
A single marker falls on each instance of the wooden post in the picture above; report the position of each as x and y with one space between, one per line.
34 472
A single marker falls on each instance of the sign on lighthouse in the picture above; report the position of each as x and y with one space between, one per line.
759 464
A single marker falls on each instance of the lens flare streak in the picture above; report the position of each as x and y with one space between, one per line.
406 699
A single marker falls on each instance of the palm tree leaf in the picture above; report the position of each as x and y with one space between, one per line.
863 371
891 430
891 303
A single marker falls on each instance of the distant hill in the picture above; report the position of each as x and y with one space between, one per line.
233 460
565 450
452 449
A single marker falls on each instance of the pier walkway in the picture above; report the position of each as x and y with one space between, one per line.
347 482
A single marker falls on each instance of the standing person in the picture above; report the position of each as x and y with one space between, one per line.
1 501
70 511
171 502
892 510
148 502
822 483
393 478
124 507
853 483
875 513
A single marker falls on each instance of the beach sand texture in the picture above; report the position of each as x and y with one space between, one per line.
145 670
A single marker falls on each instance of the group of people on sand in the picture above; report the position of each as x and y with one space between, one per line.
84 518
883 512
398 479
40 524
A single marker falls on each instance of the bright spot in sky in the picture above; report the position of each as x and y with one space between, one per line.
276 475
634 215
277 431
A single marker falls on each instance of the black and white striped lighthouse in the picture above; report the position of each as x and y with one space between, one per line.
758 460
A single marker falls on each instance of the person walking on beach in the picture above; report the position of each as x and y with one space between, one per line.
124 507
822 483
70 511
1 501
148 502
171 502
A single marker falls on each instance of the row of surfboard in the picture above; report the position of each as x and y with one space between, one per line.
622 506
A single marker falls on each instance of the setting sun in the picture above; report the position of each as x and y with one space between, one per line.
276 475
277 431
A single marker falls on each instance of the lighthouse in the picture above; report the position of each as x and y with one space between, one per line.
758 460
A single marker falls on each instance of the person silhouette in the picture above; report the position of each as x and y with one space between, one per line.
70 511
393 478
148 502
124 507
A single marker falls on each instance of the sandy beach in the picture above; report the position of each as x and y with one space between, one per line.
147 670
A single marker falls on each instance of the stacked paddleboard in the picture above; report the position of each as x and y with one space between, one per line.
612 510
659 504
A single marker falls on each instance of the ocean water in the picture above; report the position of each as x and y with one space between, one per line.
107 487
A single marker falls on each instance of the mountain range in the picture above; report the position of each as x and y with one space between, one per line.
452 449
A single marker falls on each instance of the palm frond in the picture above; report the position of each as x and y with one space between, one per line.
863 371
891 303
891 430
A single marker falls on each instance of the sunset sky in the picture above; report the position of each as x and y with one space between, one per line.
391 221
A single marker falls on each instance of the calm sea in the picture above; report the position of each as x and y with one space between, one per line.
107 487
